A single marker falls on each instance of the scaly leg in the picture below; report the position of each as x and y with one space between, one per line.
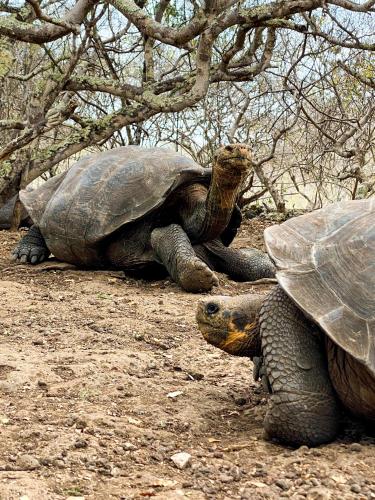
31 248
303 408
247 264
173 248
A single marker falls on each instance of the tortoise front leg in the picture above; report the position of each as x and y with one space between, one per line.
303 408
31 248
173 248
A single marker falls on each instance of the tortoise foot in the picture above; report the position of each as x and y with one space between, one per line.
31 248
172 246
196 276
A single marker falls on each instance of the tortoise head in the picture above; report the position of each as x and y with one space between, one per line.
231 323
233 160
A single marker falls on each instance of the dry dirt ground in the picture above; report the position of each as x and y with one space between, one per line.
88 362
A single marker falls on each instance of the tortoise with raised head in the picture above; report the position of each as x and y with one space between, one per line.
134 209
313 336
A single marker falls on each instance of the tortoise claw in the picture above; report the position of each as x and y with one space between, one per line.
257 361
31 248
259 372
34 259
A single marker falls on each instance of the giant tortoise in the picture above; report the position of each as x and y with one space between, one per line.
134 208
313 337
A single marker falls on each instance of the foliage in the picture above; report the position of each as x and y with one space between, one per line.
294 80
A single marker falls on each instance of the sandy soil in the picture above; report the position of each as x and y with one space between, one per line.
88 362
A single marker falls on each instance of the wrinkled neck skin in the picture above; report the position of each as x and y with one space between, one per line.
221 198
191 205
204 216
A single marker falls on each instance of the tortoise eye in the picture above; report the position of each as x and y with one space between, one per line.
212 308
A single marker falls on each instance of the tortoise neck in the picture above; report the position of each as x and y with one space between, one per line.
252 345
220 201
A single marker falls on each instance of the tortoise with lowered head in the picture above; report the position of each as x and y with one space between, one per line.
313 337
135 209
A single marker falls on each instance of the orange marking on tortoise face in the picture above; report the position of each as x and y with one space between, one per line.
250 326
236 338
233 339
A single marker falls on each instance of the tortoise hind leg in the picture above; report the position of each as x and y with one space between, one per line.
173 248
303 408
31 248
247 264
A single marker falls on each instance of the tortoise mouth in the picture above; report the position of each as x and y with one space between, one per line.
214 336
235 160
236 156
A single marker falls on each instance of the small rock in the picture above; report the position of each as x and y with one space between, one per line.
355 488
174 394
46 461
258 484
302 450
281 483
316 452
181 460
59 463
6 387
210 490
134 421
318 494
28 462
81 443
339 478
225 478
129 446
115 472
187 484
80 423
240 401
201 469
355 447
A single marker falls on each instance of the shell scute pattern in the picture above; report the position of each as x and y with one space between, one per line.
103 192
326 264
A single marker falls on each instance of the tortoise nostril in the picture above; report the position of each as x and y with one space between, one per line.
212 308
